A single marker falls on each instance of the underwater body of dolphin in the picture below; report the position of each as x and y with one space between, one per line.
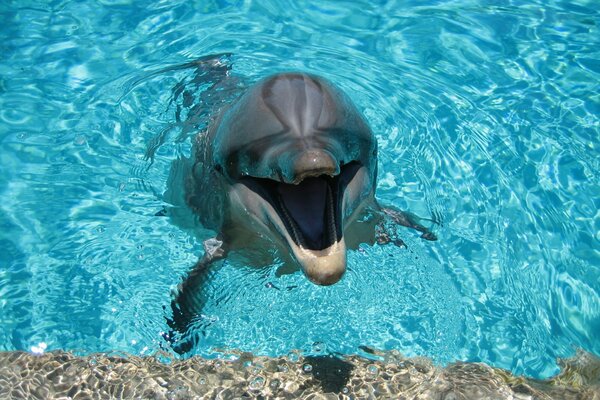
291 163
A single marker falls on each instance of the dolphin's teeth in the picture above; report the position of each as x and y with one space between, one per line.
331 215
297 236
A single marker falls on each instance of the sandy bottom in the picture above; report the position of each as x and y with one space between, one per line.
62 375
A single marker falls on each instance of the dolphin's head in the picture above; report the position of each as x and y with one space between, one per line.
307 161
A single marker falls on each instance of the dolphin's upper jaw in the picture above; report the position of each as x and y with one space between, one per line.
310 215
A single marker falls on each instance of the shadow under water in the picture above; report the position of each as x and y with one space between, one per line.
242 375
332 373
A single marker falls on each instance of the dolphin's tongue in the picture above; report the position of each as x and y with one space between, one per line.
306 203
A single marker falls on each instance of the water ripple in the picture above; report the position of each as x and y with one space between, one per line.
488 122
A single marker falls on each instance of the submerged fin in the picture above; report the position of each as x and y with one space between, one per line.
187 304
405 219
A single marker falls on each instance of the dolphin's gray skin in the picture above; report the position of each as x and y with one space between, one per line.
291 164
291 160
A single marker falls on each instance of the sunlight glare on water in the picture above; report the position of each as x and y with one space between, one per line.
487 119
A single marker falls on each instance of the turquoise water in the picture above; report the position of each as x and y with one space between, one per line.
487 116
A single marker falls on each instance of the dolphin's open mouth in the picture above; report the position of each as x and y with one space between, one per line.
310 210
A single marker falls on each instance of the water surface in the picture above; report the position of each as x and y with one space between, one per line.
487 117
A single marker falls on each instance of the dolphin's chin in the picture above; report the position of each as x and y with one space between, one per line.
322 267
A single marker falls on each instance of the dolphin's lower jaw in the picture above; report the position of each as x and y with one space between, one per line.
308 216
310 211
323 267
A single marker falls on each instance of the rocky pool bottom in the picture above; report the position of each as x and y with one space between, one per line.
61 375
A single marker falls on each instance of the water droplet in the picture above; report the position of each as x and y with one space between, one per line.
372 371
345 390
202 381
93 362
293 357
100 229
307 368
257 383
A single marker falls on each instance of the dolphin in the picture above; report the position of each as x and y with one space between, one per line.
291 164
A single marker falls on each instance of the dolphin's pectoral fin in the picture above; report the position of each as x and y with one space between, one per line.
383 236
187 302
408 220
